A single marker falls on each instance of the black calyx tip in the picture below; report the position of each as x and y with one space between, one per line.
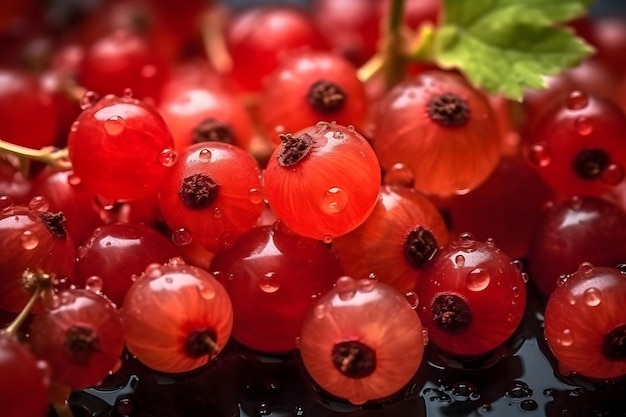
419 247
201 343
198 191
212 130
614 344
354 359
326 97
590 163
451 313
55 222
448 110
294 148
81 342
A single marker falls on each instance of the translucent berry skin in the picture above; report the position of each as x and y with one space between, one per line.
447 157
118 253
28 242
23 383
273 277
378 249
580 229
341 95
259 37
232 207
372 314
585 323
576 146
331 190
166 307
81 338
119 148
472 297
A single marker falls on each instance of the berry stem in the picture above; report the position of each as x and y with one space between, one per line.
213 40
63 409
12 328
50 155
394 44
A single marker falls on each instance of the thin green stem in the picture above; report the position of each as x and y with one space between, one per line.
12 328
50 155
394 44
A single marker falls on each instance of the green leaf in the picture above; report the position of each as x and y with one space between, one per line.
506 46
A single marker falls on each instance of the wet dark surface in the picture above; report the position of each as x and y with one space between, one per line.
520 379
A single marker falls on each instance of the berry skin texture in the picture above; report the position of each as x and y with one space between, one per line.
472 297
213 193
442 129
120 147
176 317
362 341
323 181
585 323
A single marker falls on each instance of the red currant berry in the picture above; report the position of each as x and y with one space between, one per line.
120 148
442 129
211 195
362 341
472 297
176 317
322 181
585 322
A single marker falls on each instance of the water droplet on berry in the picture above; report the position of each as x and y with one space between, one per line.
366 285
351 128
399 175
29 240
372 276
583 126
334 200
74 127
208 293
128 93
571 299
105 203
114 125
38 204
328 239
517 264
169 280
425 336
298 341
525 277
73 179
217 212
88 99
148 71
566 338
346 288
529 405
176 261
577 100
548 393
320 311
516 295
153 270
182 237
412 298
585 267
269 283
255 195
592 297
612 175
338 135
477 279
466 236
539 155
459 261
94 284
205 155
562 279
167 157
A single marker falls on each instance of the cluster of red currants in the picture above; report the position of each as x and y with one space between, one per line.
279 195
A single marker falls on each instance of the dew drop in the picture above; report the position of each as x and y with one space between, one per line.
351 128
208 293
45 369
516 295
205 155
328 239
334 200
585 267
612 175
517 264
577 100
366 285
153 270
39 204
525 277
81 251
298 341
346 288
94 284
490 241
105 203
176 261
592 297
562 279
73 179
320 311
518 390
583 126
167 157
263 409
29 240
298 411
128 92
412 298
255 195
571 299
477 279
338 135
425 336
529 405
463 391
539 155
182 237
466 236
459 261
217 212
269 283
88 99
399 175
169 280
74 127
372 276
114 125
566 338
